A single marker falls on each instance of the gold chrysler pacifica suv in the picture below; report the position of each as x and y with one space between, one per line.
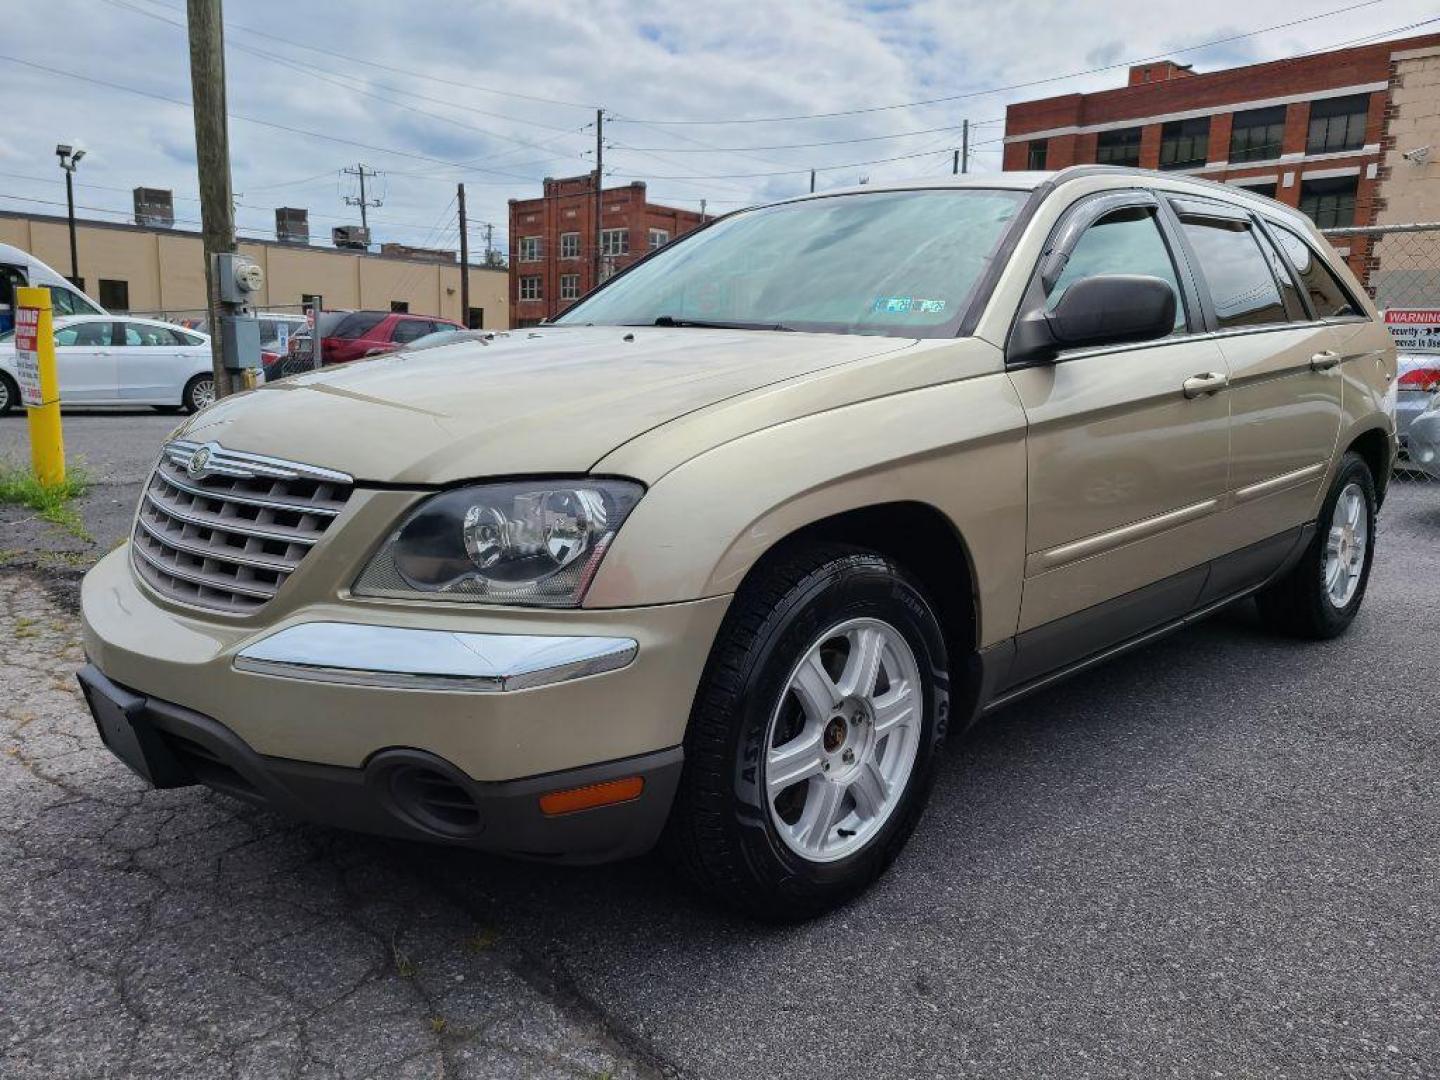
715 560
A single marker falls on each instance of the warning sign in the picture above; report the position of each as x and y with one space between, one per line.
1414 329
27 357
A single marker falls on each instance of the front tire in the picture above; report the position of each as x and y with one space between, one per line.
1320 596
9 394
199 392
815 735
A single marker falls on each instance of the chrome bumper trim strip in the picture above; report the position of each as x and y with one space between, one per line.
403 658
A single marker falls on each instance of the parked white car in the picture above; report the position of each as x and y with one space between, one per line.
117 360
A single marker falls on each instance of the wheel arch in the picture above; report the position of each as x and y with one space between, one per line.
1376 447
919 538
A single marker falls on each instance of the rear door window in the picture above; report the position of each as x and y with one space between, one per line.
408 330
1233 266
357 324
1327 296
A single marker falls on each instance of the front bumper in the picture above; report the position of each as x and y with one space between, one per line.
401 793
282 693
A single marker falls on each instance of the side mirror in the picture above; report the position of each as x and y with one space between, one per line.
1108 309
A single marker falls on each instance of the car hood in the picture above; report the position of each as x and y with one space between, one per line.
552 400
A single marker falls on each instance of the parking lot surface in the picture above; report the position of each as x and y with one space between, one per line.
1218 856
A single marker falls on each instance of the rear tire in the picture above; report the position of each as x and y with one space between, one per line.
9 394
862 742
1319 597
199 392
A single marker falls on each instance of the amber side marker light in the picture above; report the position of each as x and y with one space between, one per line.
591 796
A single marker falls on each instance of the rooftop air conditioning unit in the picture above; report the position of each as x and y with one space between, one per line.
154 208
351 237
292 226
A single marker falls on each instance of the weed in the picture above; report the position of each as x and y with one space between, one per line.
482 940
404 966
52 502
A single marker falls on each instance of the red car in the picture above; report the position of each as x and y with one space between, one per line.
357 334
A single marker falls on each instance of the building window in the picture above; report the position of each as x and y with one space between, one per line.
530 287
530 249
1267 189
1118 147
1330 203
475 319
400 307
114 295
1256 135
1337 124
1183 143
570 245
569 286
1036 154
658 238
615 242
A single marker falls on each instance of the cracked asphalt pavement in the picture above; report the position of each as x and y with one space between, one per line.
1216 857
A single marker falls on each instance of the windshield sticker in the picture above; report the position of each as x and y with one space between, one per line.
907 305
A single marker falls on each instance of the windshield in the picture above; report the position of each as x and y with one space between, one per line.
902 263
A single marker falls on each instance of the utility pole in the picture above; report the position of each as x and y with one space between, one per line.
812 181
965 146
599 174
350 200
69 158
489 244
702 211
212 158
955 164
464 259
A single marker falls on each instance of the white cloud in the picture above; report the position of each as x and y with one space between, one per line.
662 59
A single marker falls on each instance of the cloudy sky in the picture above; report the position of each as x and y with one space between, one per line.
500 93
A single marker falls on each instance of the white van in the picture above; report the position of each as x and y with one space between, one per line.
19 268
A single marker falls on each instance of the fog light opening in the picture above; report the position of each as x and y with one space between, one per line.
434 801
572 800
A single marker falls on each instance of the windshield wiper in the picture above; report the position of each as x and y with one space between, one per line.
671 320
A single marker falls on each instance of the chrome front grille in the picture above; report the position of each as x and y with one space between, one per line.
224 529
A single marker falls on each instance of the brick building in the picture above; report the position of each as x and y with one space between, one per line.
552 241
1310 131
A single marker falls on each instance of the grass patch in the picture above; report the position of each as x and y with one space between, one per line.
51 502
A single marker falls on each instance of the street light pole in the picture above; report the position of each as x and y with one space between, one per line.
69 159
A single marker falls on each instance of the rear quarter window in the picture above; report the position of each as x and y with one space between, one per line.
1327 296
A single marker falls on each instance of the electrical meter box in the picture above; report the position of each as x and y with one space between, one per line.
240 341
239 278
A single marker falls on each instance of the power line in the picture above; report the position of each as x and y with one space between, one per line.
399 70
1012 86
266 123
345 82
792 146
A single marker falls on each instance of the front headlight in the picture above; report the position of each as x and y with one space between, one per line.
532 542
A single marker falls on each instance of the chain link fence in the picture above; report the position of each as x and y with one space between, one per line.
1399 265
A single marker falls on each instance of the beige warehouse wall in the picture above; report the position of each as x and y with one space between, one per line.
165 271
1411 190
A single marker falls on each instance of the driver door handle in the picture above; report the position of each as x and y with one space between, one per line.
1324 361
1208 382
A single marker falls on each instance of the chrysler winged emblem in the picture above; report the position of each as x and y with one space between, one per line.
195 468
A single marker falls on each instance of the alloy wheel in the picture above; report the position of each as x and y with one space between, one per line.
842 742
1346 545
203 395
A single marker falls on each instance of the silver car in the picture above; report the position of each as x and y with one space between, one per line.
1418 380
1424 437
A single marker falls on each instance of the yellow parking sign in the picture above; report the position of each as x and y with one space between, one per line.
39 382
